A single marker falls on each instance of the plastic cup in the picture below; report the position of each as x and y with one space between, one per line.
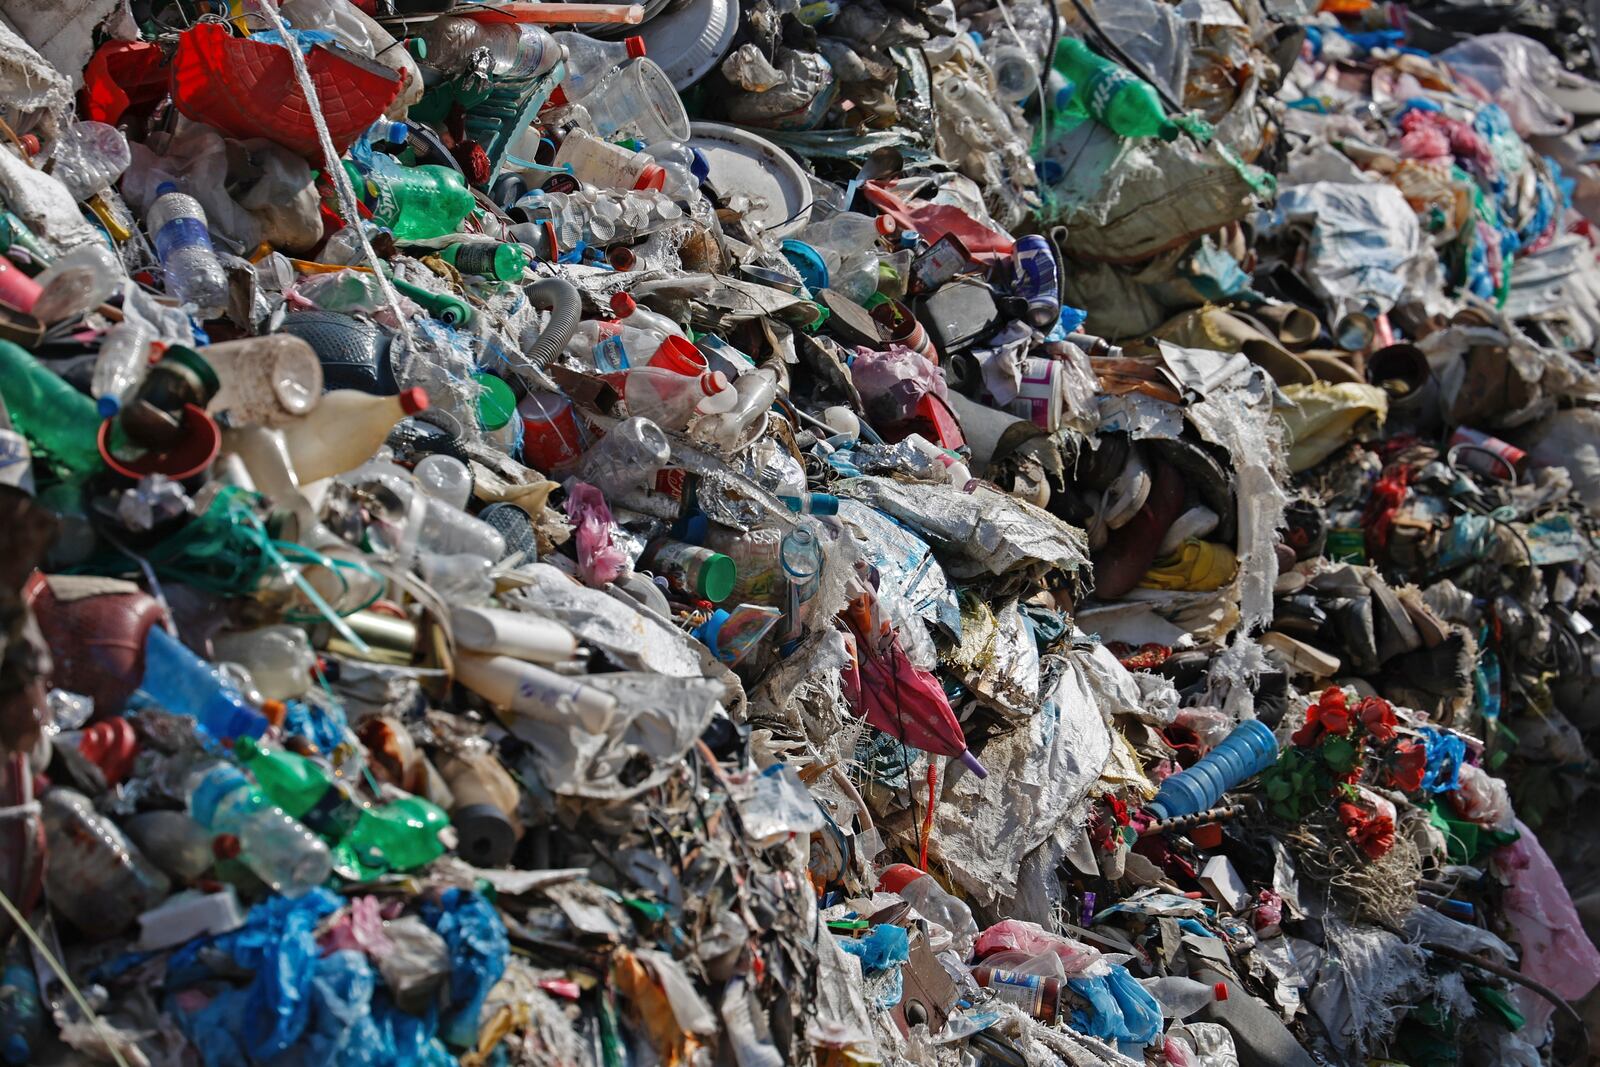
550 434
678 354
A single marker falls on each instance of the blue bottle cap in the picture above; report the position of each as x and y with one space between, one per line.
397 133
808 261
166 187
107 406
700 167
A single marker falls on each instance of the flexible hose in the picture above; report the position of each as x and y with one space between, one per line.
560 298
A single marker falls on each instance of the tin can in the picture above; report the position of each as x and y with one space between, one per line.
1487 454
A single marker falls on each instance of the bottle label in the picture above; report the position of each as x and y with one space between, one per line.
334 814
610 355
16 462
179 233
1103 88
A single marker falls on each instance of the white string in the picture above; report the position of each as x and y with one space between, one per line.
106 1033
335 170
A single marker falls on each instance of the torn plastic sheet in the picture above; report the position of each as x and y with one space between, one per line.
1555 948
1367 977
1366 245
1040 777
905 563
984 531
996 657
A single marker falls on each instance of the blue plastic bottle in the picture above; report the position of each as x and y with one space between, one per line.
21 1014
184 684
1247 751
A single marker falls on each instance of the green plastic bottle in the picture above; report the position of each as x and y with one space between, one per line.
401 835
1109 94
417 203
60 423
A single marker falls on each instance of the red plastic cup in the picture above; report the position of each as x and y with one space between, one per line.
550 434
678 354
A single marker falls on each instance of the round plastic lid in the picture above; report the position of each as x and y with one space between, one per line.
897 876
717 577
623 305
808 261
496 404
414 400
198 364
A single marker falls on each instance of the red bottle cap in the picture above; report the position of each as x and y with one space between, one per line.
1221 990
653 176
623 305
110 745
31 145
414 400
225 846
635 47
897 877
886 225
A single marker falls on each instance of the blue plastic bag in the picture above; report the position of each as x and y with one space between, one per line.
478 951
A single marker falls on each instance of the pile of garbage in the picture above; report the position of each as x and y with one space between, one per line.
994 532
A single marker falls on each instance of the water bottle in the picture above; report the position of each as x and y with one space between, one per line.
174 842
639 333
1036 282
177 226
1181 997
444 530
626 459
95 876
671 400
78 282
1016 74
279 658
21 1011
1247 751
122 363
184 684
801 557
686 168
281 851
589 61
1109 94
922 892
516 50
88 157
444 478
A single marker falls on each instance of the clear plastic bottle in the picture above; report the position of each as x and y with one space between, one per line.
671 400
174 842
801 558
279 659
184 684
122 363
177 226
1016 72
635 317
737 427
639 332
606 165
344 430
516 49
626 459
925 894
280 849
96 877
445 529
78 282
685 168
848 244
589 61
88 157
445 478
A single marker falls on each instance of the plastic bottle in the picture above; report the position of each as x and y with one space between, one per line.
177 226
925 894
96 877
1181 997
537 693
279 848
516 49
609 166
1110 94
445 529
690 570
402 835
639 333
88 157
344 431
279 658
848 245
670 399
184 684
21 1011
738 426
502 262
78 282
174 842
445 478
801 558
268 380
589 61
59 422
122 363
1247 751
587 339
415 203
638 100
685 167
626 459
1016 73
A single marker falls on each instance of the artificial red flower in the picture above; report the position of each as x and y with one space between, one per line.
1378 717
1332 697
1372 832
1410 761
1307 735
1336 720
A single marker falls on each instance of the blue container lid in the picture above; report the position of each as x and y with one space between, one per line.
808 261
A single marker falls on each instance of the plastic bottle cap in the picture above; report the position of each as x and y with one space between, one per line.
414 400
1221 990
654 177
246 747
397 133
886 225
714 382
897 876
623 305
717 576
635 47
496 403
107 406
30 144
166 187
275 711
225 846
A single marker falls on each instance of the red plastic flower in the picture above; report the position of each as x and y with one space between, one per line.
1372 832
1378 717
1410 761
1307 735
1334 719
1332 697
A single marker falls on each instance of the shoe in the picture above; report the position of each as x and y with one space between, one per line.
1350 628
1208 478
1391 625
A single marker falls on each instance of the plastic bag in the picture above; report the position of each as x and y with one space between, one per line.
1013 935
779 805
472 929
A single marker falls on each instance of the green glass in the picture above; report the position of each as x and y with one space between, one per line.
60 423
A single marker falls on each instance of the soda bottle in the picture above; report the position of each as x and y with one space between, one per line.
1109 94
184 684
502 262
95 876
344 430
281 851
59 422
589 61
516 50
177 226
670 399
279 659
402 835
922 892
415 203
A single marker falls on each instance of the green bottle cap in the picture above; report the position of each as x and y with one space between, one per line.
196 363
716 578
496 404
